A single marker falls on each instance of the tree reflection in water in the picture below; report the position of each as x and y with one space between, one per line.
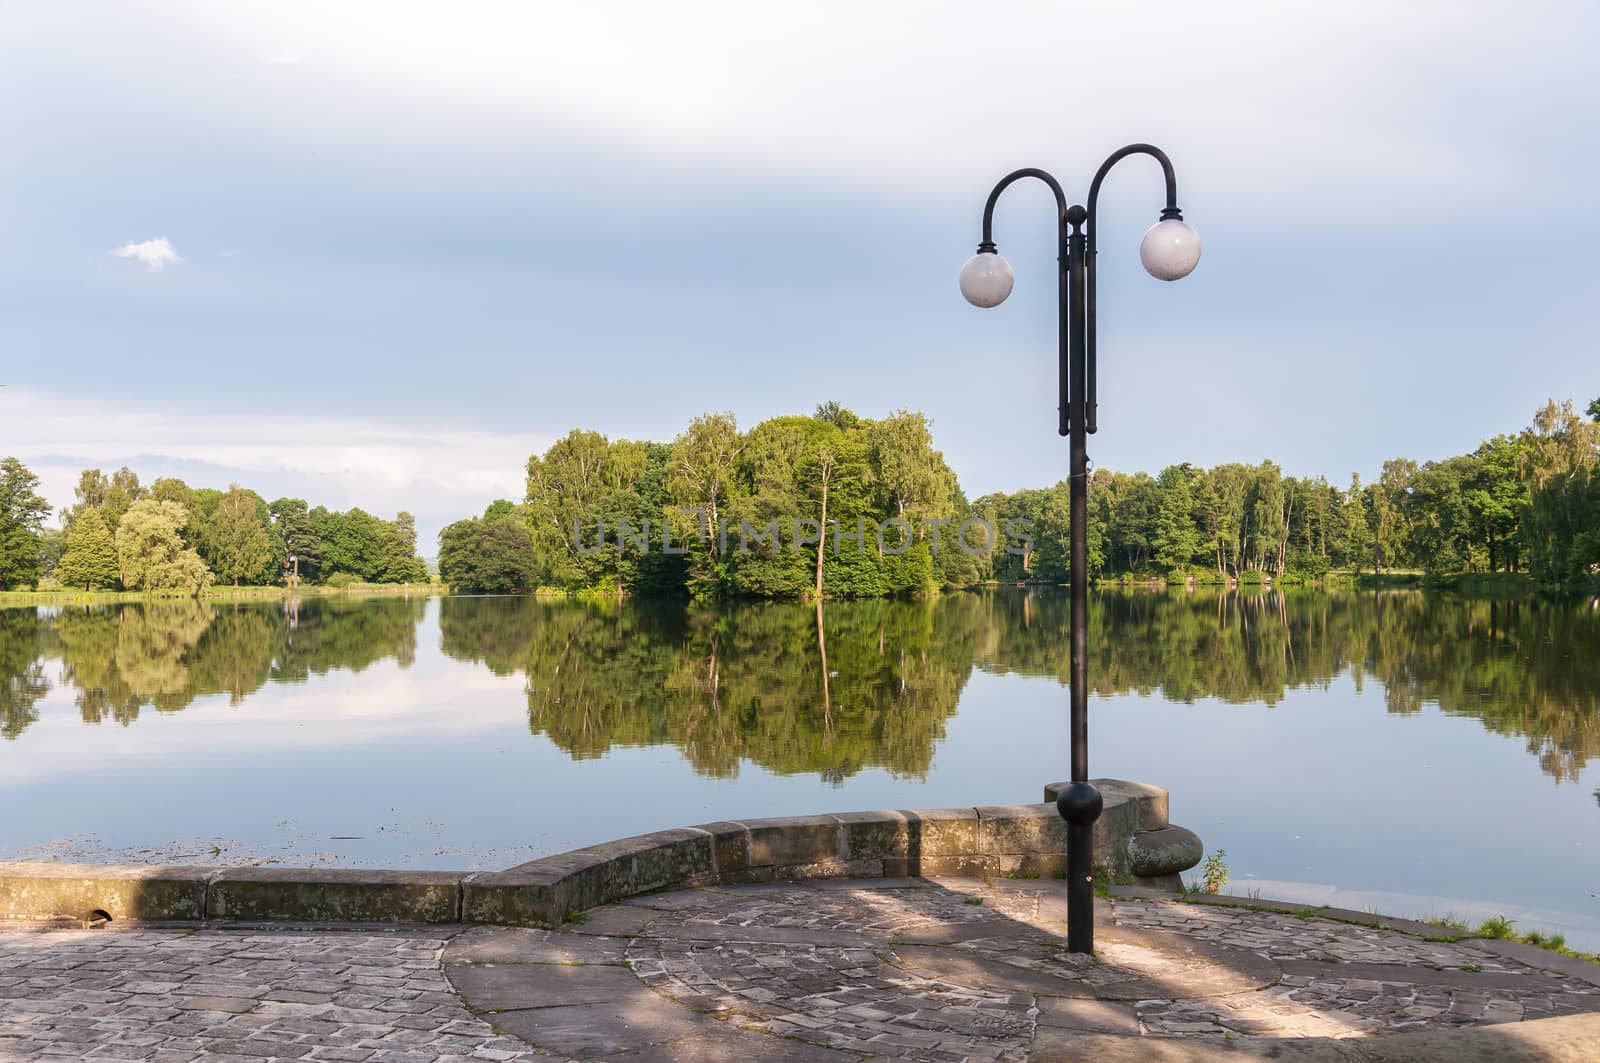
831 690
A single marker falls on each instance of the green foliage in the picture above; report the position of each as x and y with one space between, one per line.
1498 927
90 560
1215 871
151 553
714 494
239 543
489 556
294 529
22 513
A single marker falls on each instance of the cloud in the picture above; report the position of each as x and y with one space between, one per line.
438 472
156 254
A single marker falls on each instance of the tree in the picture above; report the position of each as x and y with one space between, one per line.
400 563
298 533
22 513
1357 532
151 553
1562 466
110 495
488 556
1177 538
90 560
238 538
703 458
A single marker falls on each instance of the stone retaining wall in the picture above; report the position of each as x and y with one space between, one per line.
1131 837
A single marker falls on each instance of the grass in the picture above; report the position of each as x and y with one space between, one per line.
1499 928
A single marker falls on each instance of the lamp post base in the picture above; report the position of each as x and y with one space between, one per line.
1080 804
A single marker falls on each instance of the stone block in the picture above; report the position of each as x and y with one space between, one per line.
874 835
1116 825
963 865
793 840
337 896
942 832
1150 802
1027 865
40 891
661 860
1011 829
512 898
1167 851
730 845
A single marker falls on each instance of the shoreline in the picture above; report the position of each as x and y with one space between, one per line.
220 593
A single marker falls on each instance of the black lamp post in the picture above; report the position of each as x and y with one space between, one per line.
1169 252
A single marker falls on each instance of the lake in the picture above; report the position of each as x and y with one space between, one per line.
1414 753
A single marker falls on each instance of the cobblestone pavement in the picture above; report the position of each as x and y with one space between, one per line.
959 970
224 995
828 972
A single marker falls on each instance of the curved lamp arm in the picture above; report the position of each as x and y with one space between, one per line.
987 246
1171 211
1005 182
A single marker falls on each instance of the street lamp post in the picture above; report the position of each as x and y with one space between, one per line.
1169 251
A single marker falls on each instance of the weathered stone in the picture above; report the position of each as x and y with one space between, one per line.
1099 1016
793 840
336 896
508 986
875 835
967 865
39 891
513 898
590 1030
1027 865
483 944
1150 802
730 844
1007 829
662 860
1166 851
942 832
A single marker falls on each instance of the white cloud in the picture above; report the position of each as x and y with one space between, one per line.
1256 100
156 254
437 472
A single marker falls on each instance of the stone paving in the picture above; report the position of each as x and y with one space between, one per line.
225 995
966 970
836 971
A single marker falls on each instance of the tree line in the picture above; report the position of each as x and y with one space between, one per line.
1524 503
791 507
168 537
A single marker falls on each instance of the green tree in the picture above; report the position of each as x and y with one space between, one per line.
1177 536
22 513
90 560
151 554
298 533
1562 465
238 538
488 556
400 563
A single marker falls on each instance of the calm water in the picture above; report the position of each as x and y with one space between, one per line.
1416 754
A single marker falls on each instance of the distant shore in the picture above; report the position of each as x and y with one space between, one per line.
222 593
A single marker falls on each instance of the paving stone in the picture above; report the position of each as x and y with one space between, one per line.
591 1030
505 987
825 972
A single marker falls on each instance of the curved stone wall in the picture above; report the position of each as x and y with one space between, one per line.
1131 837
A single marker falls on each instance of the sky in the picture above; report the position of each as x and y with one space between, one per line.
377 254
